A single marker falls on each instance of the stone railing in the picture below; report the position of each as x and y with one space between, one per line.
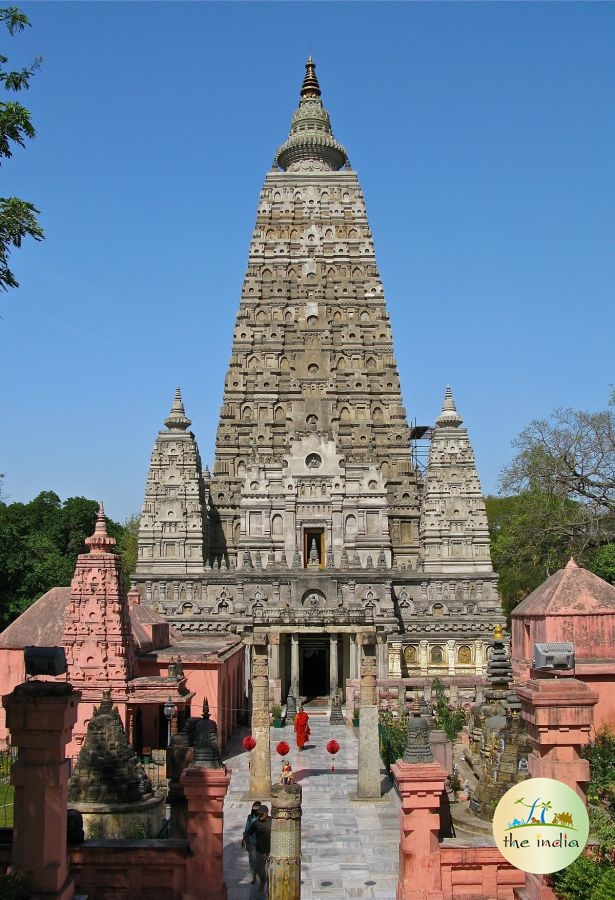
477 867
317 616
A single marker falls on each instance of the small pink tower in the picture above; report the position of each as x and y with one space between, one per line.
97 634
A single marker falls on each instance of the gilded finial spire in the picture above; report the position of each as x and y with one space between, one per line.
310 86
177 420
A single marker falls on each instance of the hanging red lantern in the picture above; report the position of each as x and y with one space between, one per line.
249 743
333 748
282 749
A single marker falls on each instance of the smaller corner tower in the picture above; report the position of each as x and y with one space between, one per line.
454 532
172 528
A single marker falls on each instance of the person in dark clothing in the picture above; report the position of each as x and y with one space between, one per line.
261 827
249 840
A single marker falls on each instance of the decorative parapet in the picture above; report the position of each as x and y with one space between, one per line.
319 617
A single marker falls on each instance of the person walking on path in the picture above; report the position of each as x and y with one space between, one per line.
249 838
302 728
261 828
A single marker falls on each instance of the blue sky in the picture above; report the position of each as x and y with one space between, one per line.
484 139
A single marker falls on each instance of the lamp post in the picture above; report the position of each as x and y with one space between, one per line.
169 710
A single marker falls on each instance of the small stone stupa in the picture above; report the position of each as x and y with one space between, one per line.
418 749
109 785
503 745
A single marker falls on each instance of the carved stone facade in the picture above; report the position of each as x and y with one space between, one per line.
316 525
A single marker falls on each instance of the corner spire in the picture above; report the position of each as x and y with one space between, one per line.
310 145
177 420
449 417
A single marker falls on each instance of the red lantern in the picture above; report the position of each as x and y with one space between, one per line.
249 743
282 749
333 748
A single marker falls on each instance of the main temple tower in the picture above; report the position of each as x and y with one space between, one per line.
315 525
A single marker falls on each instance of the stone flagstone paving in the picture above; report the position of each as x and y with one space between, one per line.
350 848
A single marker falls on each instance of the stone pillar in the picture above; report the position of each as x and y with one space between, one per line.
368 768
558 715
294 664
333 665
382 656
450 651
395 659
285 857
260 774
423 657
40 716
420 786
274 655
205 790
354 667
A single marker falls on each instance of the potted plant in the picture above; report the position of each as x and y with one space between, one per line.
355 717
276 715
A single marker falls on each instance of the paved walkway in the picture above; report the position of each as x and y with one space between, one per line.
350 848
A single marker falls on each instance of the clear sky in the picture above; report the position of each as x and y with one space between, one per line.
484 139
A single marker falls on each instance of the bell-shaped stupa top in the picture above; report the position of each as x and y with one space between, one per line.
100 542
177 420
449 417
311 145
418 749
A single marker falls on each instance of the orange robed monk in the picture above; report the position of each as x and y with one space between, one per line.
302 729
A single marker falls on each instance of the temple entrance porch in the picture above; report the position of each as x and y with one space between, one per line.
313 663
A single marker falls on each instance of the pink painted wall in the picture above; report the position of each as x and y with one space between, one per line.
12 673
594 640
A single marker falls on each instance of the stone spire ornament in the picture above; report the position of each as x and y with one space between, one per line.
177 420
100 541
449 417
310 145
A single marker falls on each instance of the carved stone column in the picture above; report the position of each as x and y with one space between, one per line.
274 654
354 666
423 657
294 664
368 769
260 775
40 716
285 857
450 651
395 659
333 664
383 656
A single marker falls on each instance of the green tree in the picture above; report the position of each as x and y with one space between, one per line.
449 718
18 218
39 545
128 545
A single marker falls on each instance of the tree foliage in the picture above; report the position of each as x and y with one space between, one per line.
39 545
570 457
559 502
18 218
592 875
449 718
